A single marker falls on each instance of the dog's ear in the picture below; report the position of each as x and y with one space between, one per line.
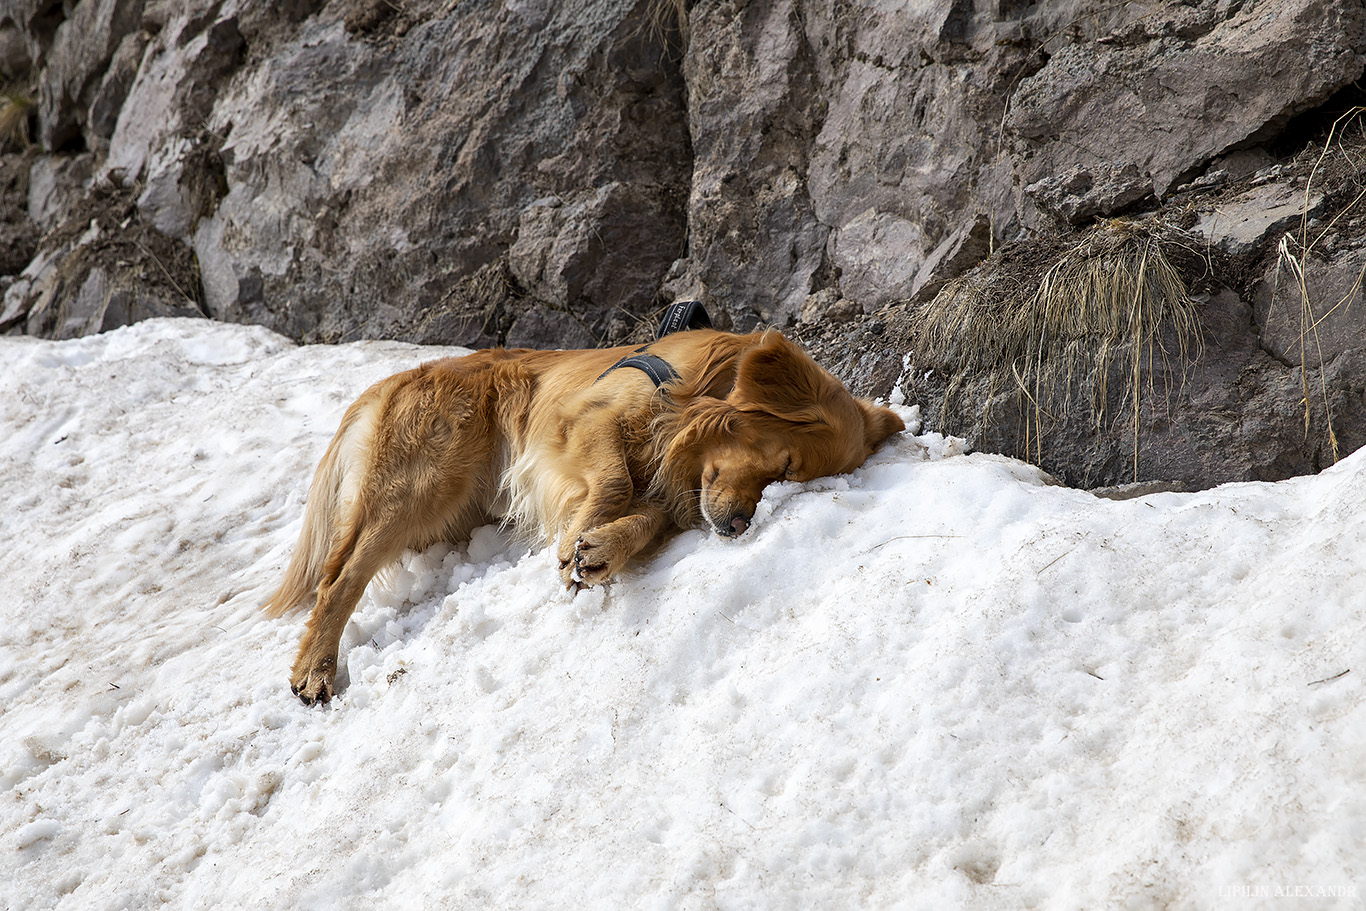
777 376
878 423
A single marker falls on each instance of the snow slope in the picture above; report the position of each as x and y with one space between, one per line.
938 682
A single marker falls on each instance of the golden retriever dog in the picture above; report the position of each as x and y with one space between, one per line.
603 453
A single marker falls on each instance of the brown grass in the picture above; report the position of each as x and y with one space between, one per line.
1292 256
1112 295
668 18
15 110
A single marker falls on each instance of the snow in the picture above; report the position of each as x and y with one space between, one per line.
939 682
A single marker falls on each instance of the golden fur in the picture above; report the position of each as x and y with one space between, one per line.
607 465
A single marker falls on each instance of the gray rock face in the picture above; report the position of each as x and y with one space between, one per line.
78 73
550 173
1241 225
1144 95
1309 306
753 109
393 168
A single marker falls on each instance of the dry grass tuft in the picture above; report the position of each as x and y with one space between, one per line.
16 109
1114 294
1292 255
668 18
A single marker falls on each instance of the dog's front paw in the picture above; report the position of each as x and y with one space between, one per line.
592 562
586 566
313 682
575 575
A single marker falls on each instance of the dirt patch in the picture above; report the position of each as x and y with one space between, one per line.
106 267
383 20
126 245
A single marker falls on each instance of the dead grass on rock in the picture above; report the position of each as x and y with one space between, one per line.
1057 326
17 110
106 232
667 22
1293 252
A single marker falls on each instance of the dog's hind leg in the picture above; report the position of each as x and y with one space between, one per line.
349 570
381 525
423 475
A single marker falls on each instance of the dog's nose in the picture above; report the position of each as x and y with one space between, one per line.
737 525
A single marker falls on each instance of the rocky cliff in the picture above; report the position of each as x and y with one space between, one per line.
867 175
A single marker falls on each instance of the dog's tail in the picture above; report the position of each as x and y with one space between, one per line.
329 515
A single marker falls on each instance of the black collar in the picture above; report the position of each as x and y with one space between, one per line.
656 368
679 317
682 316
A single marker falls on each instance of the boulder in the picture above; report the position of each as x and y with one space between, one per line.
1169 92
1081 193
1251 220
56 185
960 251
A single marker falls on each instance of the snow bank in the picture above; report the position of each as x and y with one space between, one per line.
938 682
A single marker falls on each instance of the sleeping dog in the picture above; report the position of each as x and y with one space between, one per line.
605 453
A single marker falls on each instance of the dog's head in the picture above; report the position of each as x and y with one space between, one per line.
784 419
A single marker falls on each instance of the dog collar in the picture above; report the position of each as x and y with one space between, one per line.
680 317
656 368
